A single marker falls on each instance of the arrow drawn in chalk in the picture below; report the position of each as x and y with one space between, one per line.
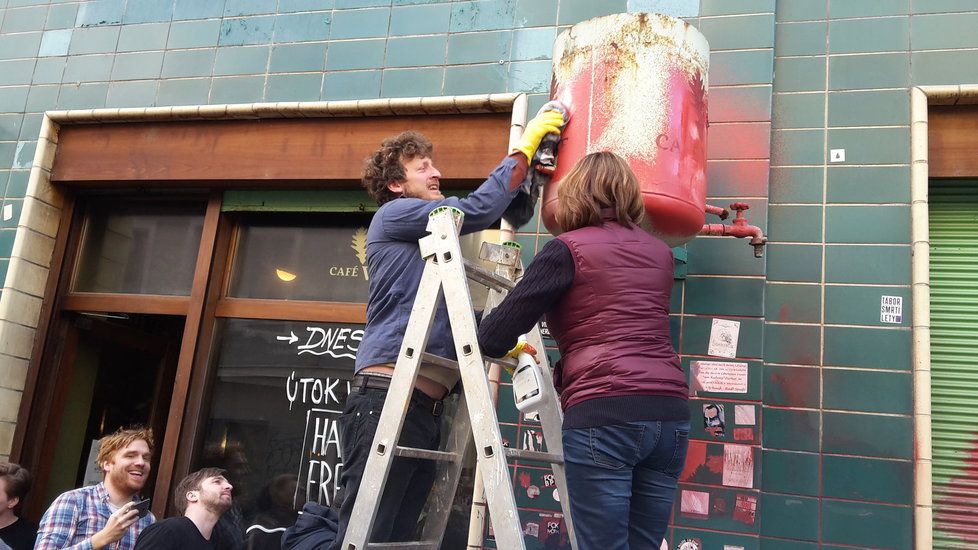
290 339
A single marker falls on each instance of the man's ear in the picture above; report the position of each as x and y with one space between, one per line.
396 187
12 503
192 496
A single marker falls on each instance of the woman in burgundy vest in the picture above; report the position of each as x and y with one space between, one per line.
605 285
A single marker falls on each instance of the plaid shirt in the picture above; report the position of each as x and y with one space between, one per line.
75 516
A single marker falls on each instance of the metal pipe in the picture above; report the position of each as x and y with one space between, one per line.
721 213
739 228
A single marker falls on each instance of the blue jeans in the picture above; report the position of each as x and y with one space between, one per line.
621 481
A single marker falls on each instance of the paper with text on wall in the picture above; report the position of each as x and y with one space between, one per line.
724 335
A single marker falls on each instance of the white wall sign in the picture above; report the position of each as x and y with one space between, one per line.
719 376
891 309
723 338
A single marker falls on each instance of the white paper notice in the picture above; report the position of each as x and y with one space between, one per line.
744 415
738 466
728 547
891 309
723 338
696 503
719 376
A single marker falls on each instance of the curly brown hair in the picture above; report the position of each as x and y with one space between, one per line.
120 439
386 165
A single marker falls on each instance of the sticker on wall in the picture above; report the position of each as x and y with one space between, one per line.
695 504
743 434
713 419
718 376
891 309
729 547
738 466
745 509
724 335
689 544
532 529
744 415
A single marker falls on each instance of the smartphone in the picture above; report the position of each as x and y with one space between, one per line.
142 506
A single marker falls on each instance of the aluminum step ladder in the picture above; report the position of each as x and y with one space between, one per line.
445 275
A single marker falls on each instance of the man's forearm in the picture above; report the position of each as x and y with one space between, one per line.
519 171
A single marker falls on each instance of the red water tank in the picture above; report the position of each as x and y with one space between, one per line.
635 84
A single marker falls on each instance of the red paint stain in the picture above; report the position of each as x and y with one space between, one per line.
956 504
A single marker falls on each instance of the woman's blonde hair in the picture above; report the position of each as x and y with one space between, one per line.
599 180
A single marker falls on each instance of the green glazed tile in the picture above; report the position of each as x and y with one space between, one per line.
14 98
801 10
867 435
237 89
874 480
294 87
416 51
83 96
24 19
529 76
243 31
49 70
793 303
31 128
147 11
479 47
352 85
740 104
869 35
800 38
736 178
796 184
431 19
132 94
743 297
348 4
7 153
17 185
696 336
709 539
847 390
750 67
27 44
863 525
61 16
945 32
725 499
235 61
483 15
355 54
7 241
294 58
795 224
799 74
888 70
676 298
799 110
185 63
944 67
794 262
782 544
852 305
797 147
94 40
867 8
867 224
302 27
366 23
55 43
789 516
194 34
874 108
100 12
413 82
535 13
792 386
183 92
942 6
137 66
793 473
792 344
738 33
868 264
16 71
739 140
868 184
791 430
143 37
247 7
195 9
575 11
531 44
725 7
88 68
723 256
288 6
10 127
476 79
24 155
868 348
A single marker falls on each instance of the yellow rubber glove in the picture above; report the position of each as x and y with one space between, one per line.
547 122
522 347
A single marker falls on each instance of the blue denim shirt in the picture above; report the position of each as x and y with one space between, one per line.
395 266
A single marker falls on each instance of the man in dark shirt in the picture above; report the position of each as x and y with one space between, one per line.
16 532
202 497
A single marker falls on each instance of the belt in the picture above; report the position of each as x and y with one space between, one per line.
363 382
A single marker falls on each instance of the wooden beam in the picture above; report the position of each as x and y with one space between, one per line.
323 152
126 303
292 310
952 143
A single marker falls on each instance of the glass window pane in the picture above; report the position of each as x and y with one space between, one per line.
139 247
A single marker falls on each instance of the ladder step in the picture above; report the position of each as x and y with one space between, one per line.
483 276
421 544
449 364
424 454
523 454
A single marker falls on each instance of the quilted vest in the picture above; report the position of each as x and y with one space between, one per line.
612 326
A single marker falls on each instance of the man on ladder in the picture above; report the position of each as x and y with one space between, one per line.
401 177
